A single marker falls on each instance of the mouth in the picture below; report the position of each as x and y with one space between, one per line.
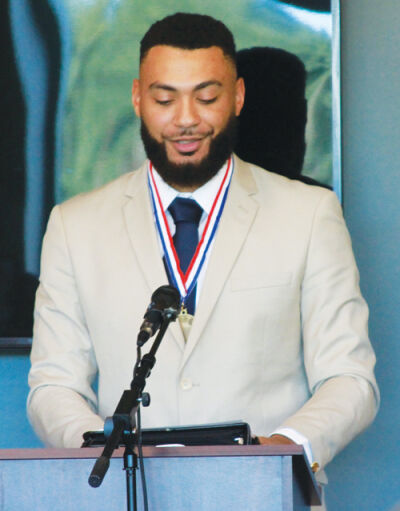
187 145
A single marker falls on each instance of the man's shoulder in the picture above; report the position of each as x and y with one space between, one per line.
107 196
271 186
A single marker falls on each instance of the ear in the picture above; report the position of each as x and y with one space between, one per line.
136 96
239 95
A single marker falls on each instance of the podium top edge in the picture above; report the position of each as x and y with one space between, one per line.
155 452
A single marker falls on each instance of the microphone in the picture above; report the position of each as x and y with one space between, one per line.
163 298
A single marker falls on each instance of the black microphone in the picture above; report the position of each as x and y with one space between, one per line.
163 298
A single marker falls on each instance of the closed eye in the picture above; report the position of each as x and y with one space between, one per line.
207 101
163 102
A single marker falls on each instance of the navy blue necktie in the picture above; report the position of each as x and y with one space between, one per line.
186 214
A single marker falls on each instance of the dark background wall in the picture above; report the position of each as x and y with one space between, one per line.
365 476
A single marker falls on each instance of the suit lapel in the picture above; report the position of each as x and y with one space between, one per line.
238 215
139 222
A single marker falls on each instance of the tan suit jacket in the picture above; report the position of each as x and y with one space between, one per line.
280 332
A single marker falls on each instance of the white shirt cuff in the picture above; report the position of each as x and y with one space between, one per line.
298 438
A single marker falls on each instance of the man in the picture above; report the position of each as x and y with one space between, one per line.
277 331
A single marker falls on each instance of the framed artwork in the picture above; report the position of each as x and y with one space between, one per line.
72 63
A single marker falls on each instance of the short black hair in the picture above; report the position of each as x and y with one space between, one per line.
189 32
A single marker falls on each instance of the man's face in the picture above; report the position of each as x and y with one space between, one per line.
187 100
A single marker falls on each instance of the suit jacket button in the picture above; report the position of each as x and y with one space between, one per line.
186 384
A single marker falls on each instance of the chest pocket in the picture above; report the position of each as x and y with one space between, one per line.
262 280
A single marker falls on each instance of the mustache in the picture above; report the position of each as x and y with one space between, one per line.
188 132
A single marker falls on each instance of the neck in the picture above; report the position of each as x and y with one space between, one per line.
185 189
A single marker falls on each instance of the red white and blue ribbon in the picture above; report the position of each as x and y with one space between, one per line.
185 283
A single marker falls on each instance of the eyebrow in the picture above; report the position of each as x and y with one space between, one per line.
204 85
200 86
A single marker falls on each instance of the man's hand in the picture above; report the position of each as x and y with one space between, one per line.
274 440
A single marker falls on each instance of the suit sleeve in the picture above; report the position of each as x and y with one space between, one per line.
338 357
61 403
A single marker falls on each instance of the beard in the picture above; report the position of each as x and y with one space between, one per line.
191 174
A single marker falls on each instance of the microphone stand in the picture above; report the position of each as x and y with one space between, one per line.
123 421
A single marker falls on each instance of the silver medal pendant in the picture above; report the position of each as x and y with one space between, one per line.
185 320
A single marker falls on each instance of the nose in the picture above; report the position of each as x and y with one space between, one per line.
186 115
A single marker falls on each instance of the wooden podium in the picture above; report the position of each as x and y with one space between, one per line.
217 478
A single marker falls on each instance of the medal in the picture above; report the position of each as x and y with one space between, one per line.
186 282
185 320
